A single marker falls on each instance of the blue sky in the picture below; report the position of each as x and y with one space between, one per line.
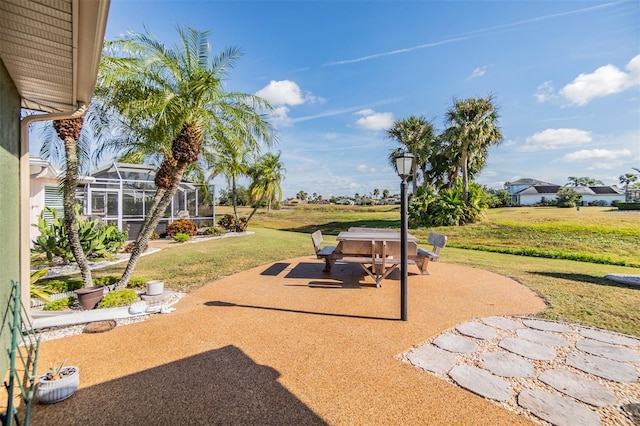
565 75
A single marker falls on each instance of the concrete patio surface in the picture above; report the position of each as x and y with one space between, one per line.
287 344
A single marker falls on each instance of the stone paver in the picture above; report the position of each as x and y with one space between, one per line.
506 364
614 339
579 387
606 350
557 410
502 363
632 411
481 382
546 325
432 358
502 322
542 337
528 349
454 343
602 367
477 330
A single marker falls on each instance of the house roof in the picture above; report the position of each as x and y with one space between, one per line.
582 190
606 190
528 181
52 50
540 189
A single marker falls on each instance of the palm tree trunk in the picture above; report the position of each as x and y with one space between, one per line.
234 200
255 209
465 176
150 224
69 204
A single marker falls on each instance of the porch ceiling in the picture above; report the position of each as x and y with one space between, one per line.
51 49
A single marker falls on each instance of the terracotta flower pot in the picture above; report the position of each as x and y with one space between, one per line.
90 296
50 391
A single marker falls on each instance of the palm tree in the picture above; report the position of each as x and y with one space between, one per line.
172 102
627 179
415 135
232 158
68 130
583 181
266 176
472 129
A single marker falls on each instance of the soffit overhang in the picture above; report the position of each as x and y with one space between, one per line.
52 49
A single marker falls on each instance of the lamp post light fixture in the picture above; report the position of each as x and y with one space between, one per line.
404 166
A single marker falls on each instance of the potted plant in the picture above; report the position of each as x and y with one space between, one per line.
89 296
58 383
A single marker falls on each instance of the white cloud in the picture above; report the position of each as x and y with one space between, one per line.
606 80
280 116
372 120
363 168
596 155
545 92
478 72
556 138
284 92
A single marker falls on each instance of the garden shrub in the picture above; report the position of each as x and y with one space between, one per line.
117 298
228 222
215 230
567 197
97 240
598 203
104 281
628 205
182 226
59 304
62 286
154 236
137 282
181 238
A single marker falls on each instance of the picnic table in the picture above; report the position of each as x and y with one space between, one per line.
376 250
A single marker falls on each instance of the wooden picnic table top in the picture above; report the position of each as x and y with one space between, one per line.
377 235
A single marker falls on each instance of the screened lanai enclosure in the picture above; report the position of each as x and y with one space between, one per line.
122 194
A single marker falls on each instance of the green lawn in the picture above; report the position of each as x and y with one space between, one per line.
575 291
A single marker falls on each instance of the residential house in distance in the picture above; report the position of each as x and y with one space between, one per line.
529 192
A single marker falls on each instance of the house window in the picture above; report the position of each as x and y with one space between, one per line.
53 200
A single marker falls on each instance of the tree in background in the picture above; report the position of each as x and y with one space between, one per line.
301 195
417 136
627 179
472 129
266 175
583 181
567 197
173 99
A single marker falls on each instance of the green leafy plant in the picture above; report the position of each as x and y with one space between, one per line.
59 304
96 239
567 197
215 230
182 226
118 298
39 291
181 238
61 286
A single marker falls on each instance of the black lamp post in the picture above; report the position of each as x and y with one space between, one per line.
404 166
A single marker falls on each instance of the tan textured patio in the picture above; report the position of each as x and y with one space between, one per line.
287 344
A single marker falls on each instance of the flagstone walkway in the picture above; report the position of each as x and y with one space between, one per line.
562 373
